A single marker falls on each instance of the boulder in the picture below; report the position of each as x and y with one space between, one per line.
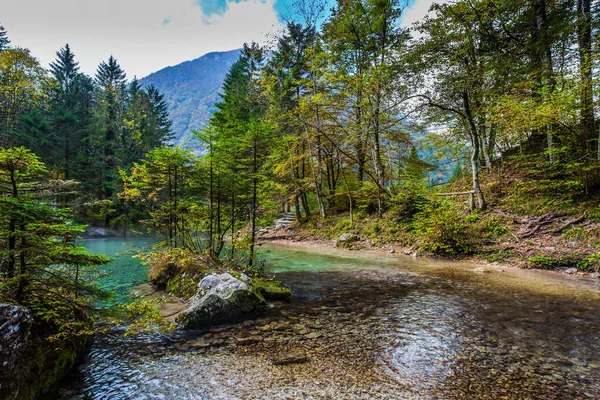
15 327
221 298
348 237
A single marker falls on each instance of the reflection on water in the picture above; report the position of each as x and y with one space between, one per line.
371 327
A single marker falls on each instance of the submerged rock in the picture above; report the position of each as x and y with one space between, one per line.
221 298
289 359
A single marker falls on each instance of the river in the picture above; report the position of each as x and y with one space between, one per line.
372 326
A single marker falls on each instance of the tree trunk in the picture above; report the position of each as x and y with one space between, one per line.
588 123
481 204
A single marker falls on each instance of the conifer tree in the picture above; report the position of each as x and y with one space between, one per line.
111 80
44 264
4 42
65 71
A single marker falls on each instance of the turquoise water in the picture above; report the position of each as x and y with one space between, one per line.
125 271
373 326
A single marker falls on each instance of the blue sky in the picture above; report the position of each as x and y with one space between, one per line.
147 35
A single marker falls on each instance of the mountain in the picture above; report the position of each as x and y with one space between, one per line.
191 90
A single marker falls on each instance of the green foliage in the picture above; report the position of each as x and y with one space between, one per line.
410 199
4 42
541 262
442 229
271 289
590 263
141 316
46 270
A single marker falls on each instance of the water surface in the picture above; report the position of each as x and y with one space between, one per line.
373 326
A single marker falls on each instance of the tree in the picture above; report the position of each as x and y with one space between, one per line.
452 61
23 87
240 120
45 268
65 71
166 184
4 42
111 80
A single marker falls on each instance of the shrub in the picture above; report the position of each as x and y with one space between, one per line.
442 229
164 265
541 262
590 263
409 200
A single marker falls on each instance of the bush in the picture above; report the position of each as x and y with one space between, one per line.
166 264
409 200
590 263
442 229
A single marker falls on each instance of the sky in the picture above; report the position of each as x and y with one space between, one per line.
147 35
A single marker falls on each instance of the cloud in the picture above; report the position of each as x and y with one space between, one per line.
144 35
417 10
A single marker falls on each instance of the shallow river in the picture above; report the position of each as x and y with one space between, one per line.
372 326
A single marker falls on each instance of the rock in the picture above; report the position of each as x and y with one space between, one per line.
271 289
348 237
99 232
15 327
392 251
265 328
245 341
280 326
301 329
30 365
289 359
313 335
221 298
571 271
407 252
595 275
572 245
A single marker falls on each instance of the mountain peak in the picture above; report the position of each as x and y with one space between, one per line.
191 90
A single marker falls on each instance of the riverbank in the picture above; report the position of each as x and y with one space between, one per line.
549 242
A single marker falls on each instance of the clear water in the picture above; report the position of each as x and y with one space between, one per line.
125 271
373 326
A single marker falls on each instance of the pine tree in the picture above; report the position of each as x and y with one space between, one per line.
44 264
4 42
111 80
65 71
240 121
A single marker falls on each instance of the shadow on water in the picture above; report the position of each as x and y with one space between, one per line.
372 326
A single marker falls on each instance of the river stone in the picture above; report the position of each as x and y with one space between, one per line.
221 298
348 237
571 270
289 359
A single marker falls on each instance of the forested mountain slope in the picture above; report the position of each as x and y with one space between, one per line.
191 91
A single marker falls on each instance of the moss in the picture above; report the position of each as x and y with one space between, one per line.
271 289
183 285
42 366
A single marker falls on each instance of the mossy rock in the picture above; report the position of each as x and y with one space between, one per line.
183 285
271 289
42 368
